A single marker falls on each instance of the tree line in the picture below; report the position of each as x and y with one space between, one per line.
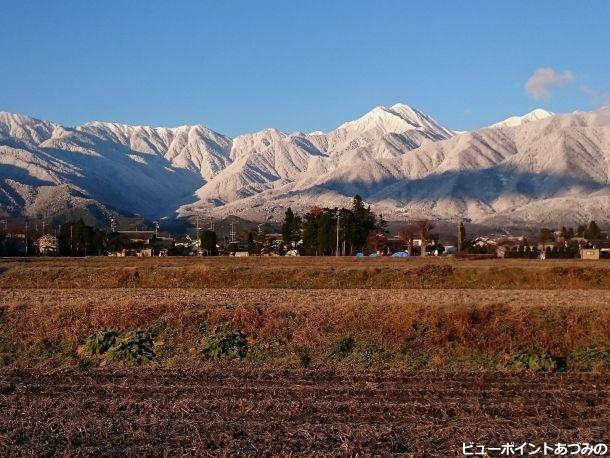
323 231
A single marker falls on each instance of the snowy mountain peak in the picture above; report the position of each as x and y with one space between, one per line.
398 118
534 115
25 128
398 158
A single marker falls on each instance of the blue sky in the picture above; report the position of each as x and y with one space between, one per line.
242 66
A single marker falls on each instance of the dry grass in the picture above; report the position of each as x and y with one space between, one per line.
234 412
444 329
305 273
403 357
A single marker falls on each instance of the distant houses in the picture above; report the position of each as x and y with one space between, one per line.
139 243
47 245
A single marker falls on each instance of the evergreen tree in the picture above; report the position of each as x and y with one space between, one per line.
291 229
310 231
326 232
363 223
75 238
381 226
208 242
546 236
593 232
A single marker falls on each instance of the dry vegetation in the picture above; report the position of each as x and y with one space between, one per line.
237 412
314 356
303 273
411 328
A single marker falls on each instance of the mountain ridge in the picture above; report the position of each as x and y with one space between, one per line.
398 158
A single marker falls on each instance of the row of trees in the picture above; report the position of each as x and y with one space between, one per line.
323 231
569 251
75 238
590 231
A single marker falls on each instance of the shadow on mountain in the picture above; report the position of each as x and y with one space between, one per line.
9 197
485 185
21 175
125 179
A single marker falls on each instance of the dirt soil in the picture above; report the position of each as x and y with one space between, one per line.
232 411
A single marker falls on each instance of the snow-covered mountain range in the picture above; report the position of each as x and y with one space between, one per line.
540 167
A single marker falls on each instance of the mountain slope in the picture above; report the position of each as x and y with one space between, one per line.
538 167
539 170
271 159
534 115
46 168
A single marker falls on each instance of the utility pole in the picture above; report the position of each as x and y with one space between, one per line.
337 247
232 233
71 240
156 228
26 237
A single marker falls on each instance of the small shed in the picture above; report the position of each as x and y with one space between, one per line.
590 254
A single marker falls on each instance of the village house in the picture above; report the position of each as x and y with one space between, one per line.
144 243
187 246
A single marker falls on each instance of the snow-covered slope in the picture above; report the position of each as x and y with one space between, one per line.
46 168
532 172
534 115
532 168
270 159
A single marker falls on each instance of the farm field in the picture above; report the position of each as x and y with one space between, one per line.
307 356
236 412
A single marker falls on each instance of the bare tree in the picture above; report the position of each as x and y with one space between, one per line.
424 228
407 234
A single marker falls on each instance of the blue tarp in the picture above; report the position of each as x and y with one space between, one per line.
400 254
360 255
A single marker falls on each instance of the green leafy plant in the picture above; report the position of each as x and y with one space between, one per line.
534 362
224 343
133 348
99 342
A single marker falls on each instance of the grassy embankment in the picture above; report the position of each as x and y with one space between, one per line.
326 313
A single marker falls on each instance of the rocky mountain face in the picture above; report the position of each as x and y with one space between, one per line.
537 168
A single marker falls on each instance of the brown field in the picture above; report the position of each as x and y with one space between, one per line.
303 273
257 413
344 356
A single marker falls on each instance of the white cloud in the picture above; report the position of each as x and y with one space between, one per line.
543 79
